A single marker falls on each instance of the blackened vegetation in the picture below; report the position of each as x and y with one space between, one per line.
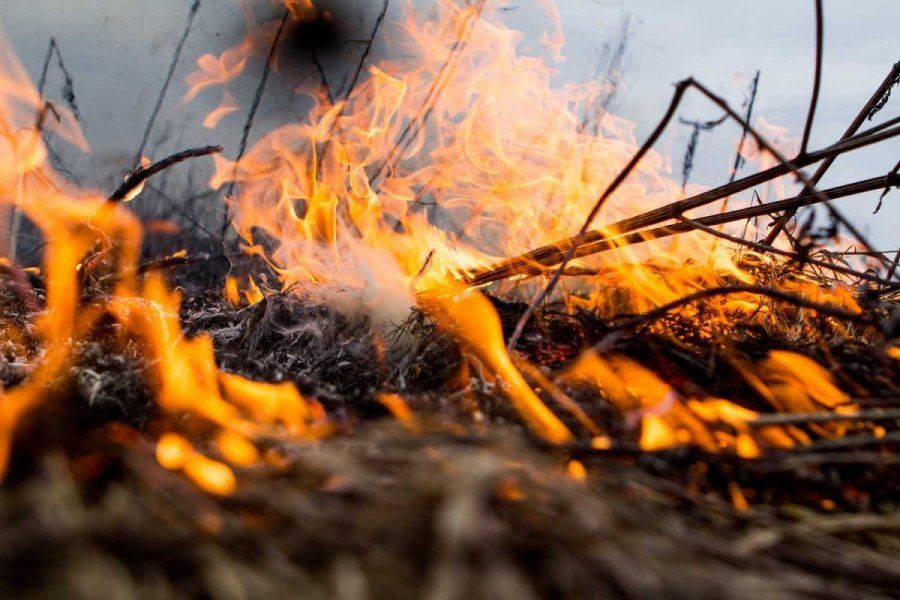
471 506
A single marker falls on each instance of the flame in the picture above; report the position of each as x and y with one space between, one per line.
215 70
459 149
666 419
464 155
474 321
461 156
86 235
227 106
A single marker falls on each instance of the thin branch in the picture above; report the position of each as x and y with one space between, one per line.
257 98
647 235
322 77
878 97
366 51
739 153
817 79
445 74
68 80
697 128
893 268
195 8
681 88
138 177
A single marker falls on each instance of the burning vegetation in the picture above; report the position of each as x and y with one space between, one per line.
465 335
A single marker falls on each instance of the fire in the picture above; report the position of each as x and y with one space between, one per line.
473 320
433 166
468 153
88 235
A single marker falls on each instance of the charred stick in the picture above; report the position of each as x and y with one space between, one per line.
823 309
553 254
639 237
854 441
177 261
876 98
134 180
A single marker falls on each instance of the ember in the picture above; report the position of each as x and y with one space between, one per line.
462 300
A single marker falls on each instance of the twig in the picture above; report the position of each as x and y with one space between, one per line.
248 124
739 154
879 97
893 268
366 51
42 112
887 189
322 77
69 81
691 150
136 178
177 261
354 81
853 441
195 7
823 309
680 89
817 79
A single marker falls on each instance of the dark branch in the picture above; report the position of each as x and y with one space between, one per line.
817 79
877 97
134 180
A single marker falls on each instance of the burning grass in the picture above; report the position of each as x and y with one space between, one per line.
364 403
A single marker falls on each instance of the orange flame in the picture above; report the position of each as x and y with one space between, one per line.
89 230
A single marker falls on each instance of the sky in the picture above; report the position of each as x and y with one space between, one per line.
118 52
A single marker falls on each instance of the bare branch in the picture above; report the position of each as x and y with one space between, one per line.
138 177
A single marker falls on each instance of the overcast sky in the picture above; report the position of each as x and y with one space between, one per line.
118 52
